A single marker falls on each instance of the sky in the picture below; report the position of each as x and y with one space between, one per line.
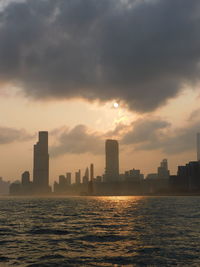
63 65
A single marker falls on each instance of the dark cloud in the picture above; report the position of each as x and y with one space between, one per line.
154 134
149 133
140 52
10 135
145 130
78 140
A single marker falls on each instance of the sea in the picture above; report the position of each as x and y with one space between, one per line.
100 231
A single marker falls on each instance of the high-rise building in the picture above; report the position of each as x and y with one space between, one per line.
112 161
41 164
163 172
91 172
198 146
4 187
91 182
62 180
78 177
25 178
86 176
164 164
68 178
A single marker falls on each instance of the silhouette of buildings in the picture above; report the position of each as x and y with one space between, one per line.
133 175
25 178
41 165
68 178
91 172
4 187
15 188
152 176
91 182
132 182
163 172
86 176
63 185
112 161
78 177
198 146
187 178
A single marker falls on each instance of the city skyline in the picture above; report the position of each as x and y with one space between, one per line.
112 181
112 165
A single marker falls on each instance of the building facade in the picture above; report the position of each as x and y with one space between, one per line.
41 164
112 161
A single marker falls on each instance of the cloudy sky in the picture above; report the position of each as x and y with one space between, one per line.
63 65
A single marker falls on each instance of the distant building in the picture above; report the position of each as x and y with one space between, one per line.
133 175
26 178
86 176
68 178
78 177
62 186
41 165
112 161
4 187
62 180
187 178
152 176
98 179
163 172
15 188
198 146
91 171
26 184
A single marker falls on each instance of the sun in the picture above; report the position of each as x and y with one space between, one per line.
116 105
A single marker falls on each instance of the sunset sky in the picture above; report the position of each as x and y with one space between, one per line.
63 65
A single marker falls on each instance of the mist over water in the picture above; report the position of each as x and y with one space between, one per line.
100 231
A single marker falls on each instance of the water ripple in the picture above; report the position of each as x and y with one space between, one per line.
100 231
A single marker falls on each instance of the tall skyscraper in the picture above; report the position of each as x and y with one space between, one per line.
163 172
68 178
90 184
78 177
112 161
91 171
198 146
164 164
41 164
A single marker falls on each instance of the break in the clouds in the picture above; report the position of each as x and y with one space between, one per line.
139 52
10 135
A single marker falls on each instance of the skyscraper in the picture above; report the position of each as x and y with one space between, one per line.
91 172
86 176
163 172
90 184
112 161
41 164
68 178
78 177
198 146
25 178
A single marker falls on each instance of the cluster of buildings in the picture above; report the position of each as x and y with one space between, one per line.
132 182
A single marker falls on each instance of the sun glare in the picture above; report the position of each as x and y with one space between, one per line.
116 105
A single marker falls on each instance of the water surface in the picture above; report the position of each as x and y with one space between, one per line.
100 231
